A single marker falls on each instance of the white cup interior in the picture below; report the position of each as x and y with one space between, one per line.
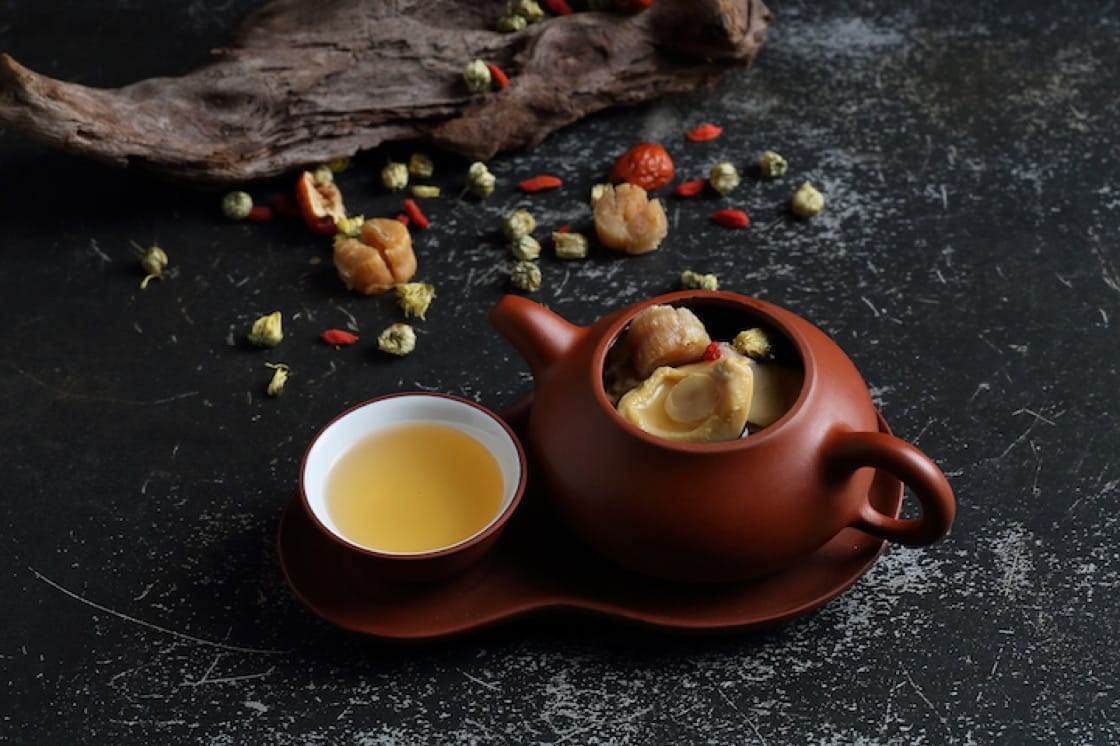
366 419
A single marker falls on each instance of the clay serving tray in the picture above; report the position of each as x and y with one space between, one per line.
539 566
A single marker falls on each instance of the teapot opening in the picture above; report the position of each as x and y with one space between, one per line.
701 369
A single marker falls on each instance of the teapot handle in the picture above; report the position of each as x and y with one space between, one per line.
852 450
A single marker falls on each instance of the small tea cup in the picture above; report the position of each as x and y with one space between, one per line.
384 414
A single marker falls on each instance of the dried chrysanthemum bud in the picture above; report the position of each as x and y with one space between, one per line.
415 297
752 342
480 182
511 23
807 201
477 76
695 281
597 193
395 176
570 245
323 174
236 205
397 339
724 177
338 165
526 276
525 248
518 223
349 226
771 165
279 378
267 331
153 260
421 165
530 10
423 191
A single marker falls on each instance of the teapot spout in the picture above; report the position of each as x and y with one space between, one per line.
540 336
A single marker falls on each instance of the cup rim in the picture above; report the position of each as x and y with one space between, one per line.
766 312
493 527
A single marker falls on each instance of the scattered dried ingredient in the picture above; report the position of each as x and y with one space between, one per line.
558 7
414 298
771 165
510 23
424 191
627 220
480 182
530 10
564 229
754 343
704 133
526 276
267 331
712 352
279 379
498 76
647 165
320 204
691 188
477 76
665 335
421 165
415 214
379 258
338 337
323 174
807 201
395 176
540 184
597 193
397 339
338 165
724 177
525 248
260 214
695 281
731 218
570 245
351 226
518 223
153 260
632 6
236 205
402 218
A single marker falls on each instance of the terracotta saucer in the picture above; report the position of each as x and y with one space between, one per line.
538 566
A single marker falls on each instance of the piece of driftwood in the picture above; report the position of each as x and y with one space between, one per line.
307 81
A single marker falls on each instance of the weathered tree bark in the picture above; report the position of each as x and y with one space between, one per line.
307 81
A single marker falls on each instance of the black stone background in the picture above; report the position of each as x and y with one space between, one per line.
967 261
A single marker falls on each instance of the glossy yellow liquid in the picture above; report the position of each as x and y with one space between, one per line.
414 488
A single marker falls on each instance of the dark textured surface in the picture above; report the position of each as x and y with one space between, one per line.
967 261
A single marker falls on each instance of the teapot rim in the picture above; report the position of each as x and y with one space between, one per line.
769 313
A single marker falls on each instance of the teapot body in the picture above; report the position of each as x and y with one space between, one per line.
727 511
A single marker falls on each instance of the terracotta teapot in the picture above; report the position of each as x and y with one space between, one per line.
713 512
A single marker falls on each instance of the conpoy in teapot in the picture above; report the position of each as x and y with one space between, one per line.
719 511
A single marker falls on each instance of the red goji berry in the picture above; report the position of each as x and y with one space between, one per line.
557 7
632 6
540 184
260 213
500 78
403 219
703 133
731 218
412 210
564 229
647 165
712 352
691 188
338 338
